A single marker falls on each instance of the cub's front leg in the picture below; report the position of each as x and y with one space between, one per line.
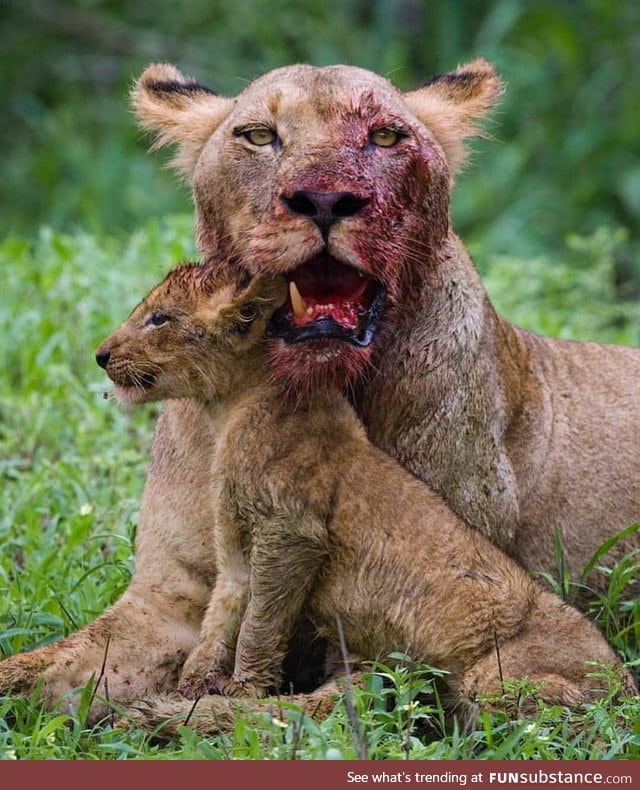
287 552
214 655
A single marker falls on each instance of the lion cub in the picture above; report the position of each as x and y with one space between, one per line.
311 516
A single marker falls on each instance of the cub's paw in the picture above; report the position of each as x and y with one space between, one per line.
200 672
197 680
192 686
197 683
231 686
215 682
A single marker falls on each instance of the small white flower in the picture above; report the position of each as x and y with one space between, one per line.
9 754
86 509
279 723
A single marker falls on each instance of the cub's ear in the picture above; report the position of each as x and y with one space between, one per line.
252 307
267 290
450 104
177 109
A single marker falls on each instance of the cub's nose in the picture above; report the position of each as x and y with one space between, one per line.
102 358
324 208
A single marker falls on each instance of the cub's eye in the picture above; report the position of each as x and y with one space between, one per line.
385 137
261 136
248 314
158 319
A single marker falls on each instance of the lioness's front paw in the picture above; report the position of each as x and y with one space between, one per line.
20 674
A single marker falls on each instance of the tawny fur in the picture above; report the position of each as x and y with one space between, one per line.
524 437
164 714
521 435
311 517
136 649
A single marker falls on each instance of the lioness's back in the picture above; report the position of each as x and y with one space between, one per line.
586 430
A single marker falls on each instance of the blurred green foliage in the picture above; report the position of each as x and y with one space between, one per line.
567 136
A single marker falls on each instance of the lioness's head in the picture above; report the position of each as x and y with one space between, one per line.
190 337
329 176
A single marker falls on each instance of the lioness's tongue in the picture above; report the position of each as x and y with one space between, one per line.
324 282
324 288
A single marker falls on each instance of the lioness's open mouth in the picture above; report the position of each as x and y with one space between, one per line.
329 299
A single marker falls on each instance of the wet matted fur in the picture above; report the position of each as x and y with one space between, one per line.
521 435
311 517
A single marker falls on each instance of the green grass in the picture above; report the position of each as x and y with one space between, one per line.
73 466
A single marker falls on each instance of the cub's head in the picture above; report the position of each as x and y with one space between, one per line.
192 336
330 177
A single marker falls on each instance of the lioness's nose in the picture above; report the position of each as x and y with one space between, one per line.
324 208
102 358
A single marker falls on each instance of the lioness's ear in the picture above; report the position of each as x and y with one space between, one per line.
177 109
450 105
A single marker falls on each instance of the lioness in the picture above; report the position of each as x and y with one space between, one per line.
309 514
340 182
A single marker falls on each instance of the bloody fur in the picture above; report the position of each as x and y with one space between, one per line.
525 437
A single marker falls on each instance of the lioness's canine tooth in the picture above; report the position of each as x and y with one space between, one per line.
297 302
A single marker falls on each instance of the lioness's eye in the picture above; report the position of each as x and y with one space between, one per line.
385 137
261 136
158 319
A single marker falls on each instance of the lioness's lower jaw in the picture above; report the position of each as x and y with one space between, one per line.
318 364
